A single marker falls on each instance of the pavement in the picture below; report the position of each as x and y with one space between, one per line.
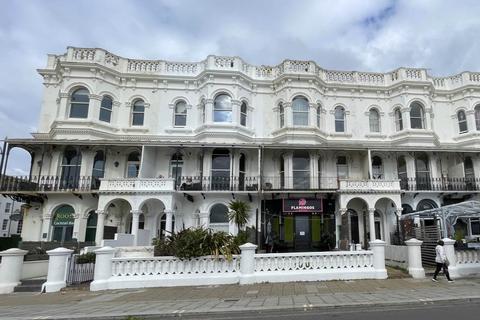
79 303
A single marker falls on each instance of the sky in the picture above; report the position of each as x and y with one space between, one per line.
364 35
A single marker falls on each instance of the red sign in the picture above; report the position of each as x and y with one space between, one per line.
302 205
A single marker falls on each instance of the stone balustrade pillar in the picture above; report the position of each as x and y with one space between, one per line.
11 269
100 226
415 268
378 249
451 256
168 222
135 221
103 268
371 224
247 263
57 269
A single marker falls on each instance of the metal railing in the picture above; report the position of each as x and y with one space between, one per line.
440 184
217 183
299 183
48 183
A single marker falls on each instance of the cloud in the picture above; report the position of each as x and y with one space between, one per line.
370 35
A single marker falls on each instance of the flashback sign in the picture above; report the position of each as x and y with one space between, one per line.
302 205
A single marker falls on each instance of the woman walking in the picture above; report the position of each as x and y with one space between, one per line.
441 261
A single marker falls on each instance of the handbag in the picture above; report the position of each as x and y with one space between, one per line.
447 263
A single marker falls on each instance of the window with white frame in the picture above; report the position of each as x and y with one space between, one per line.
398 120
219 217
301 170
300 108
79 101
8 206
339 119
138 113
319 114
133 164
4 224
222 108
462 122
374 120
180 114
342 167
281 112
106 109
243 114
417 116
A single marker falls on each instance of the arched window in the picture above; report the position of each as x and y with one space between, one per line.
243 114
426 204
180 114
106 109
402 172
91 227
339 119
374 119
377 167
176 166
319 115
281 111
141 221
241 172
79 101
422 171
133 164
477 117
138 113
71 164
462 122
222 108
300 108
417 116
301 170
219 217
62 223
342 167
98 170
406 209
398 120
220 169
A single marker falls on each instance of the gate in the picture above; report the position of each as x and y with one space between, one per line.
79 272
429 235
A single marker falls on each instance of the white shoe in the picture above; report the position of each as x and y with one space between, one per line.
451 281
434 280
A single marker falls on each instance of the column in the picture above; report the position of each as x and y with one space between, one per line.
135 219
94 107
57 270
312 115
288 170
47 221
428 118
338 226
314 171
371 222
11 269
471 123
415 268
288 114
168 227
204 219
100 226
406 118
77 225
236 112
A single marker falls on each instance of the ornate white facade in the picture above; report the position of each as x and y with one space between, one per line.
160 145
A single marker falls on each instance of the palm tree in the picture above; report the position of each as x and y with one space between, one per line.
238 213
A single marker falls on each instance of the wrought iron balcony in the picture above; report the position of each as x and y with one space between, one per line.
299 183
137 184
217 183
48 184
440 184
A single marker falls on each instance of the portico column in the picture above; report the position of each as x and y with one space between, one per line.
338 226
135 220
371 221
100 226
168 227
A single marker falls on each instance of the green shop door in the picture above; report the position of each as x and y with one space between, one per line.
302 233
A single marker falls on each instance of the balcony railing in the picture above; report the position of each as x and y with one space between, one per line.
216 183
299 183
48 184
369 185
440 184
137 184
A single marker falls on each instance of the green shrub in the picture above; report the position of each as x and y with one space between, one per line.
85 258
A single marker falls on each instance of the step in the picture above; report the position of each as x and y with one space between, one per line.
30 285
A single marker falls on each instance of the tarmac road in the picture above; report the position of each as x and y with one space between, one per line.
434 311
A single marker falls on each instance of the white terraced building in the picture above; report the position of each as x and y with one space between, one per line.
324 158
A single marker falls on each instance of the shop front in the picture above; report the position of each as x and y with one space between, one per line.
299 224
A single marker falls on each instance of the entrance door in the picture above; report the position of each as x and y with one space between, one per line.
302 233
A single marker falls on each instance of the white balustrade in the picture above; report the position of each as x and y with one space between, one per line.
370 185
468 257
137 184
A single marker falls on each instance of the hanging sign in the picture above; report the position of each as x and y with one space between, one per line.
302 205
